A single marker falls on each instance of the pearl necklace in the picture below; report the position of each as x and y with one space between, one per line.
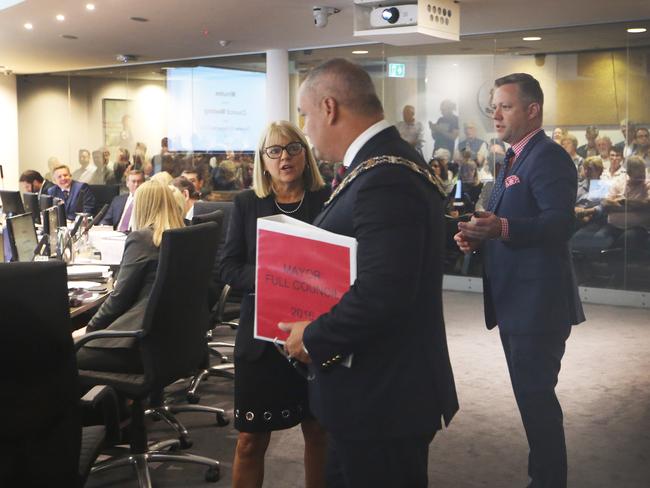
290 211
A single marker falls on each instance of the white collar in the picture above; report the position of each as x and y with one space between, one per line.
361 140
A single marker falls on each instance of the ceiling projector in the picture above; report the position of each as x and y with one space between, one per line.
396 16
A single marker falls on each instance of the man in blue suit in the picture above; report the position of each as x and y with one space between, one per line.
120 211
76 196
528 281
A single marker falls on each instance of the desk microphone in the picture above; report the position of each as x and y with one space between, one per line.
96 218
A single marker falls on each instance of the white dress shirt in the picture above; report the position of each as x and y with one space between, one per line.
364 137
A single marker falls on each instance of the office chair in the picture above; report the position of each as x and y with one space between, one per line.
43 446
104 194
170 331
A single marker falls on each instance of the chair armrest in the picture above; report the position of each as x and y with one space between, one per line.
105 334
106 398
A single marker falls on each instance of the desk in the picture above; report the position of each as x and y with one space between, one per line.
94 303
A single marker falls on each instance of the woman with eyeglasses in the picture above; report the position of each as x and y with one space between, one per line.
270 394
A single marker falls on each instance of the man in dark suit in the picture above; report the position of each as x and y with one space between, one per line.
120 211
383 409
32 182
76 196
529 283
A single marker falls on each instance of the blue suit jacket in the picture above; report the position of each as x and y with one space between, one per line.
81 199
115 210
529 283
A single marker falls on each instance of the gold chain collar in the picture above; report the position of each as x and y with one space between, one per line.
426 173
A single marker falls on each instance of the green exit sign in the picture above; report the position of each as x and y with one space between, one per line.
396 70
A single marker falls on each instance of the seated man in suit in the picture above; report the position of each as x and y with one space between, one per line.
120 212
32 182
76 196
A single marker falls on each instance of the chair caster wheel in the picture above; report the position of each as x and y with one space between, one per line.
222 421
224 360
193 398
175 447
212 474
185 442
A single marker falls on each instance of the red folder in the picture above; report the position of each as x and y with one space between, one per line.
302 272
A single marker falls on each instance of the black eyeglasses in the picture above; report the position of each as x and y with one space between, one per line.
275 152
301 368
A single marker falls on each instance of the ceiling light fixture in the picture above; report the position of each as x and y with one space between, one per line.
28 26
531 38
60 17
224 43
90 6
360 52
637 30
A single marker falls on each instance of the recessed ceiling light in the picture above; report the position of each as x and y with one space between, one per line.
637 30
531 38
60 17
28 26
360 52
90 6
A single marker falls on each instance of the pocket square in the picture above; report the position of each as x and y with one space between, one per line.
512 180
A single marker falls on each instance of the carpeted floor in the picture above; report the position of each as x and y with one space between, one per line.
604 388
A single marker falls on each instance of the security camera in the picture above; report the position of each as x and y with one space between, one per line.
126 58
321 14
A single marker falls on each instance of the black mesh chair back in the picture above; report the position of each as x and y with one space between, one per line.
39 407
177 312
216 217
104 194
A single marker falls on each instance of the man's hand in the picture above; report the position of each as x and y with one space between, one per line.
467 246
485 226
293 345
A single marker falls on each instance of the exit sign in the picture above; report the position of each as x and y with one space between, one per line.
396 70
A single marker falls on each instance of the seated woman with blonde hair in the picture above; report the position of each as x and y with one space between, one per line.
155 211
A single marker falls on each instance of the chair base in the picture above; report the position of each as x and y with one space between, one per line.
220 370
140 463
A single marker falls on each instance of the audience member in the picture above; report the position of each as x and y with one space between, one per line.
615 169
155 212
157 160
225 177
445 130
121 166
75 195
589 194
590 148
120 211
409 129
443 157
32 181
86 171
103 175
52 162
163 177
642 145
477 147
326 170
494 165
628 130
558 134
604 146
190 196
570 144
471 184
495 155
270 395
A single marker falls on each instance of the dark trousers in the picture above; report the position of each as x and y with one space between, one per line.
390 463
534 365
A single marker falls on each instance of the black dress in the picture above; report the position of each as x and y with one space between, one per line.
269 393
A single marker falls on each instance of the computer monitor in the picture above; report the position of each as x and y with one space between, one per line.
30 200
22 235
60 212
12 204
45 201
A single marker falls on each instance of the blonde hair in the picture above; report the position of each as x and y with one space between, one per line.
262 184
162 177
157 209
595 162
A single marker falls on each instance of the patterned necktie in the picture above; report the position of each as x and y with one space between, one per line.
499 181
66 195
126 218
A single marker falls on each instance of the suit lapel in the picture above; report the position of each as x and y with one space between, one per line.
518 162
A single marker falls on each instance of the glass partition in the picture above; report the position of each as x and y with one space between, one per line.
155 117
